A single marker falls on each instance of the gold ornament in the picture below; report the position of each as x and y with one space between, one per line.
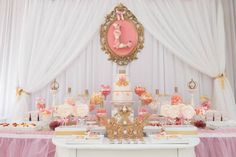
192 85
19 91
110 19
221 78
124 128
54 85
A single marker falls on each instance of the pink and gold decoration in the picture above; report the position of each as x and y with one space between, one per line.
142 112
176 99
101 114
122 81
178 111
97 98
105 90
205 103
139 90
200 110
121 36
203 107
146 98
40 103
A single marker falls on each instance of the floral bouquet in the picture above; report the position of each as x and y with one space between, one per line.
206 103
139 90
97 98
105 90
122 81
40 103
176 99
146 98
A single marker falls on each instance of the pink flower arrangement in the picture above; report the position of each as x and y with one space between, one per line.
146 98
142 111
206 104
176 99
139 90
122 81
40 103
46 111
105 90
97 98
178 111
200 110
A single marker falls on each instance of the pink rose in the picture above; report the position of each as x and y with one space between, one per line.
206 104
176 99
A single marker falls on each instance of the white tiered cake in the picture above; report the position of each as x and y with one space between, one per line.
122 94
122 88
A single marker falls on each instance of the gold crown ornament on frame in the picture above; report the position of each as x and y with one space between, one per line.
121 36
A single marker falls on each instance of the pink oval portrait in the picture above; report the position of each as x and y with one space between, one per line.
122 37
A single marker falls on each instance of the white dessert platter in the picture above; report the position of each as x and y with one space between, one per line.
22 126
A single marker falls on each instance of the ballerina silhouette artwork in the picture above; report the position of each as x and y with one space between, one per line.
117 34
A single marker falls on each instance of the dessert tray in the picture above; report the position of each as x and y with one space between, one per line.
94 139
24 126
168 139
78 135
82 139
152 129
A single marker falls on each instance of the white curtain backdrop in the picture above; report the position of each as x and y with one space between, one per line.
194 31
53 34
230 30
40 39
156 68
11 13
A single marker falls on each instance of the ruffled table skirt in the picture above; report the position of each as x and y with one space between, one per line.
214 143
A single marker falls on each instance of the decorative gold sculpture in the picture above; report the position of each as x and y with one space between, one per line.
192 85
54 85
19 91
123 128
124 50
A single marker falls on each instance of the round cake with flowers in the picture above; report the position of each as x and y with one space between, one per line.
177 109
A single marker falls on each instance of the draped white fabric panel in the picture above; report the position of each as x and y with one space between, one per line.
53 35
40 39
156 68
230 30
194 31
11 13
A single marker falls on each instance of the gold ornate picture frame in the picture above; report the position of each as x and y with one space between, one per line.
121 36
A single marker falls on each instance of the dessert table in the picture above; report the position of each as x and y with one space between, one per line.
213 143
26 144
217 143
106 149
